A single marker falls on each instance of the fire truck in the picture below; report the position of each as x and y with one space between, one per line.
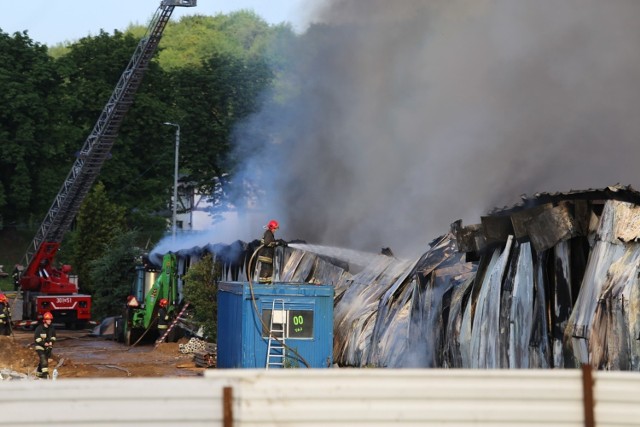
44 286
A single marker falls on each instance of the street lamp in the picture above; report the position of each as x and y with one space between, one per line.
175 179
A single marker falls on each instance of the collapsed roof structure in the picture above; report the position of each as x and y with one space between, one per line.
549 283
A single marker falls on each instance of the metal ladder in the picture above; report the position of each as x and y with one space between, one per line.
276 348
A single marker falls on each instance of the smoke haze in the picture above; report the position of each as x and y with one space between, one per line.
412 114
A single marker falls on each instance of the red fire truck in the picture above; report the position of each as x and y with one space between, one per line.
44 286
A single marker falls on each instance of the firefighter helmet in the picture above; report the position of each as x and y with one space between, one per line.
3 298
273 225
47 316
163 302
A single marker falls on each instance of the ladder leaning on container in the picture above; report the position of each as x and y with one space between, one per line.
276 348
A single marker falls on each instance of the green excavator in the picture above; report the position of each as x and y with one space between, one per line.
140 318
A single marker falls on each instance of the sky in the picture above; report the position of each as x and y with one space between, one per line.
51 22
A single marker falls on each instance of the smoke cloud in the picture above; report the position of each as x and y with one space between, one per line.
410 115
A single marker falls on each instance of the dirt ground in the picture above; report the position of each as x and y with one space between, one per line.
76 354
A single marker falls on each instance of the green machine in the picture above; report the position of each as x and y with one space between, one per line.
150 286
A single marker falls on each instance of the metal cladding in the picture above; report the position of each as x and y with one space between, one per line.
549 283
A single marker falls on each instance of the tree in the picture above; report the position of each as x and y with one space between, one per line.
30 148
99 221
200 289
214 98
113 274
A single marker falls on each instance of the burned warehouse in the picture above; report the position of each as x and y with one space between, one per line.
549 283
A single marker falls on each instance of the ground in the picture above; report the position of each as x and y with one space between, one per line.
78 355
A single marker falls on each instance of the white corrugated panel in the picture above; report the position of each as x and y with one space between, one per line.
617 399
384 397
132 402
330 397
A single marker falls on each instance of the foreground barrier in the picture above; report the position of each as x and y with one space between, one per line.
332 397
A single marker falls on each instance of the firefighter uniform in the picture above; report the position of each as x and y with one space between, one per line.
163 320
265 257
44 337
5 317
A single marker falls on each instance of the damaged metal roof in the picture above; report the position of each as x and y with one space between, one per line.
549 283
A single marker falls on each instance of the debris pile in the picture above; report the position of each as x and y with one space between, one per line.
16 361
204 353
549 283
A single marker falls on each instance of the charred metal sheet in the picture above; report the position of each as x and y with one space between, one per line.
550 227
602 256
620 222
496 228
485 336
562 300
470 238
456 308
614 192
582 216
540 352
520 220
520 321
325 272
298 266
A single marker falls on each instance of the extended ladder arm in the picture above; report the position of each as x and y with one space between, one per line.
98 145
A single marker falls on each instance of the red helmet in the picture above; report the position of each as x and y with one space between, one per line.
3 298
47 316
163 302
273 225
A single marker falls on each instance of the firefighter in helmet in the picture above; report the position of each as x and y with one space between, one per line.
45 337
163 316
266 254
5 315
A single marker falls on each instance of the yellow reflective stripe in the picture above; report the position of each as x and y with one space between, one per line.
265 259
38 339
39 348
53 338
162 327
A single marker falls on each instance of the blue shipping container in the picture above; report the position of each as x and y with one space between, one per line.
303 313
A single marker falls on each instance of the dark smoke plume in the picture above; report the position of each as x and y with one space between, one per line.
411 114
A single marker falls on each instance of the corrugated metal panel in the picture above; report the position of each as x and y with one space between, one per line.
381 397
329 397
132 402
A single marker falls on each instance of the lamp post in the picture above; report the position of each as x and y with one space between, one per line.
175 179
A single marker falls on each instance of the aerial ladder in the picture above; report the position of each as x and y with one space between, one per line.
44 286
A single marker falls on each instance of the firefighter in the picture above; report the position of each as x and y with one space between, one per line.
265 256
45 337
163 316
17 271
5 316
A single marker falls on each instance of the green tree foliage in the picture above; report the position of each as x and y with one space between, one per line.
197 37
214 98
29 138
113 274
200 289
139 174
99 221
210 74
